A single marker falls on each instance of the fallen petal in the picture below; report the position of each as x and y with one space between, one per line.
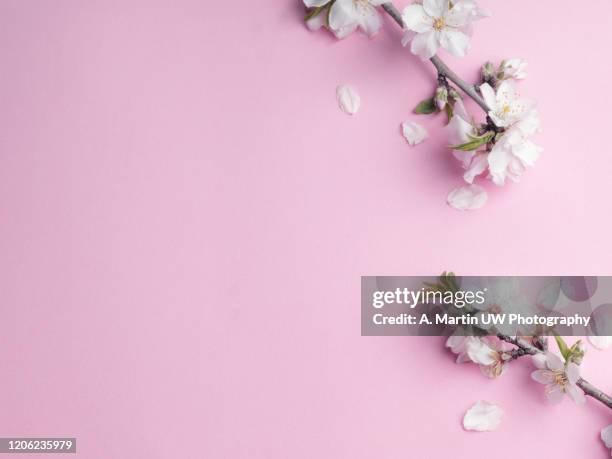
413 132
468 197
348 99
606 436
483 417
601 342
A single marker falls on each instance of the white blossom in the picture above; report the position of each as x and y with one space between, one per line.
491 354
345 16
512 151
559 379
434 24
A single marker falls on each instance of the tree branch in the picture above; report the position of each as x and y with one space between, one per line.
588 388
440 66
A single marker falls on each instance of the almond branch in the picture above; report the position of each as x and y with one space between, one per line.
441 67
588 388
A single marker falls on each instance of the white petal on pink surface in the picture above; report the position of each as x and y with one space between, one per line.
348 99
468 197
601 342
483 417
606 436
413 132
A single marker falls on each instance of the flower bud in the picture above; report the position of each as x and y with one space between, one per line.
454 95
513 68
441 97
488 72
577 352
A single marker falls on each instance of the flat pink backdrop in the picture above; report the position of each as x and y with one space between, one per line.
186 215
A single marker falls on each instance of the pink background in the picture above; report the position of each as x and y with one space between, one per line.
186 215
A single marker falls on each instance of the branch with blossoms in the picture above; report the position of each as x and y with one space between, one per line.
493 350
497 147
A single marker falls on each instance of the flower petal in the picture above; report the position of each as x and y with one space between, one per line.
543 376
458 130
416 19
316 22
425 45
408 36
483 417
342 15
478 166
527 151
480 353
348 99
455 42
435 8
370 21
606 436
488 94
554 393
468 197
498 159
458 16
572 372
413 132
575 394
539 360
315 3
553 361
601 342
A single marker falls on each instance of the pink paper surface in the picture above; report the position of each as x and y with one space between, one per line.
186 215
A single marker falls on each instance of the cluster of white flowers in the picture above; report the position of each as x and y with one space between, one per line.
508 150
499 149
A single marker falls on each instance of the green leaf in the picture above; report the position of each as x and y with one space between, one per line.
475 142
426 107
565 351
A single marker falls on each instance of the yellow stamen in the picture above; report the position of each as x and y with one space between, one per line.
439 23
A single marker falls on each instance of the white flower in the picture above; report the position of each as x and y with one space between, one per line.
348 99
483 417
513 152
505 105
347 15
435 24
606 436
601 342
467 197
491 354
413 132
459 345
559 379
514 68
